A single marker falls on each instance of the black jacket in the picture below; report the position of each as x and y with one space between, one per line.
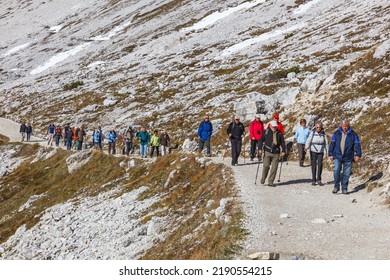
236 130
266 141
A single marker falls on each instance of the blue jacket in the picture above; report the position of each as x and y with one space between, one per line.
97 136
352 145
144 137
111 135
302 134
205 130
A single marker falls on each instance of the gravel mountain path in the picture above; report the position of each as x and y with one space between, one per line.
10 129
298 220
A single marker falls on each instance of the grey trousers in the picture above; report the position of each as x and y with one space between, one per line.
268 159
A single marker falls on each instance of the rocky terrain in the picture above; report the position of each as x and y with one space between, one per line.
164 64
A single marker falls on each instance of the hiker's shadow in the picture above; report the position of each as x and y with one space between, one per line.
294 182
364 185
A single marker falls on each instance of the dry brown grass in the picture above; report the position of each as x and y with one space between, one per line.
51 179
3 139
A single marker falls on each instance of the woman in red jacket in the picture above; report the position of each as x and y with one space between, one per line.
256 128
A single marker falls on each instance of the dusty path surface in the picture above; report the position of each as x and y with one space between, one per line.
319 224
10 129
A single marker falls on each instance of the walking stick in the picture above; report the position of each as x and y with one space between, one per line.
258 165
257 172
280 171
244 152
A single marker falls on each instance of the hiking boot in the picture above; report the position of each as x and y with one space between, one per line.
335 191
344 192
313 183
320 183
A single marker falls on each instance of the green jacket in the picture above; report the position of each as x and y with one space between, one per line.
155 141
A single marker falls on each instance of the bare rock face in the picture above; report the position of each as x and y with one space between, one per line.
190 145
77 160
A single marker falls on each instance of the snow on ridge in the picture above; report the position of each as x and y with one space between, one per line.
214 17
305 7
59 58
15 49
112 33
261 38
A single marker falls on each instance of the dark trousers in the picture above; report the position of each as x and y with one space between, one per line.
301 153
254 146
111 145
157 151
80 145
69 144
236 149
201 144
129 146
316 165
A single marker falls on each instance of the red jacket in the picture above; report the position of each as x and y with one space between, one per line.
256 129
280 127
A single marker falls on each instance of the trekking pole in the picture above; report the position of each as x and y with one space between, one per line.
280 171
244 152
257 172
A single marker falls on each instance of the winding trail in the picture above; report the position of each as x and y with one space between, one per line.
320 225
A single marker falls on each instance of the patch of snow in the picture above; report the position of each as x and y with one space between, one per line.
112 33
305 7
262 38
214 17
59 58
55 29
15 49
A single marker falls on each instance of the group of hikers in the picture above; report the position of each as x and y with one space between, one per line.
74 138
269 142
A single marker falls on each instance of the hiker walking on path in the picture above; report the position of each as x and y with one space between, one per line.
29 131
112 137
235 131
128 136
256 128
317 143
164 142
23 130
144 138
272 141
80 138
155 144
205 131
98 138
344 149
50 133
301 136
280 125
66 128
57 134
69 137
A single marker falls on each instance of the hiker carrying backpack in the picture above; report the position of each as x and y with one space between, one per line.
317 143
